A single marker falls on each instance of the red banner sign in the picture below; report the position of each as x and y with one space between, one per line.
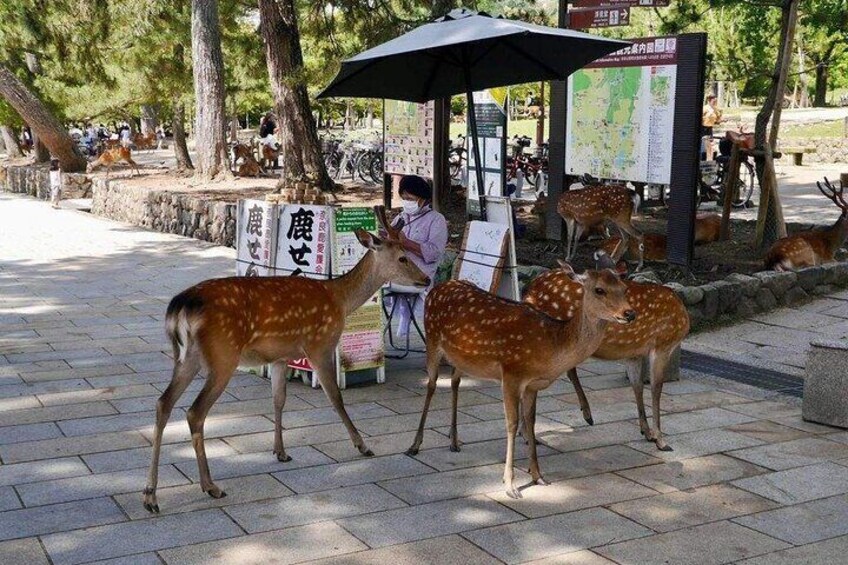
621 3
598 17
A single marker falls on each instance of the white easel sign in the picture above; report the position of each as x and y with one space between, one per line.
499 211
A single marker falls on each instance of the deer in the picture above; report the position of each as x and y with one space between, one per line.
587 207
250 167
654 245
145 141
662 325
707 228
112 156
813 247
491 338
222 323
270 155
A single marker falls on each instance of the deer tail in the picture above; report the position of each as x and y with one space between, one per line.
178 325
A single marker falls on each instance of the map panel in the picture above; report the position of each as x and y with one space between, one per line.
621 114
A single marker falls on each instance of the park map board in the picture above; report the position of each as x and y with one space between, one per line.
620 115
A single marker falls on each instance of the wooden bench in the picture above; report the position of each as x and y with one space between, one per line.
797 153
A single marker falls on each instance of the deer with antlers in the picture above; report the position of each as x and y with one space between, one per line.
813 247
223 323
112 156
491 338
593 205
662 325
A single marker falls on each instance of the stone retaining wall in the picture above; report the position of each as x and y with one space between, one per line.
828 150
164 211
34 180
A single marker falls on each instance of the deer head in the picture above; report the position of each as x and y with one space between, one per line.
604 295
391 261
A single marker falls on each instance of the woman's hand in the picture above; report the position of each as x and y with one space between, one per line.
409 245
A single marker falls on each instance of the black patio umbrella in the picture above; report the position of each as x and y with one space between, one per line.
463 52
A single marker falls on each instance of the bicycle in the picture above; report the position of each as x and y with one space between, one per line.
457 157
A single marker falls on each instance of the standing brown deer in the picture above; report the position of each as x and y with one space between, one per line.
813 247
491 338
587 207
223 323
112 156
662 324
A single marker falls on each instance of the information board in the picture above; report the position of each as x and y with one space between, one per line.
362 339
408 138
490 110
620 114
483 254
499 211
255 237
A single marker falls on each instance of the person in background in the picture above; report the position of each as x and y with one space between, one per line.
125 135
424 235
267 129
710 116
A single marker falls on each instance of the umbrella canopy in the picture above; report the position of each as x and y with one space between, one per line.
466 51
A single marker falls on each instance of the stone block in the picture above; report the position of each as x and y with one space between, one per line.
795 295
794 453
691 473
711 301
391 527
803 523
709 544
117 540
800 484
825 383
59 518
294 545
445 550
352 473
811 276
778 283
821 553
554 535
748 284
25 551
729 295
765 299
691 294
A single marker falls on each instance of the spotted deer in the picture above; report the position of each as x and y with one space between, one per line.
220 324
662 324
491 338
587 207
249 166
112 156
813 247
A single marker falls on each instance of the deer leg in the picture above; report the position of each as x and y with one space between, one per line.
578 233
433 360
279 379
326 367
569 237
581 396
528 402
456 377
184 373
659 362
216 381
634 374
511 397
133 167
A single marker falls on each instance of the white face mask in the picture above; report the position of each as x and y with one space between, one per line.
410 206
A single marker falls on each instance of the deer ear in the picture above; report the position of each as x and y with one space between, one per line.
565 265
368 239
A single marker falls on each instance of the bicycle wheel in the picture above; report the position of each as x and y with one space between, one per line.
333 163
376 171
364 166
745 185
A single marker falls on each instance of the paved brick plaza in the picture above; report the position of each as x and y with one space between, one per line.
83 357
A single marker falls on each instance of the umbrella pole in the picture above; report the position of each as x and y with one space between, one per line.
475 147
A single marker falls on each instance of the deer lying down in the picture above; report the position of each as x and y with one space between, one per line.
491 338
814 247
220 324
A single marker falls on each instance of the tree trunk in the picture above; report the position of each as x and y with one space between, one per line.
210 140
41 121
301 153
180 147
770 225
820 99
10 140
149 119
441 7
40 152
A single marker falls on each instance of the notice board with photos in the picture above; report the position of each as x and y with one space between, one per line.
408 143
316 242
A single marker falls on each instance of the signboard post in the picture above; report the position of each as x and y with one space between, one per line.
255 238
582 18
361 346
490 111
